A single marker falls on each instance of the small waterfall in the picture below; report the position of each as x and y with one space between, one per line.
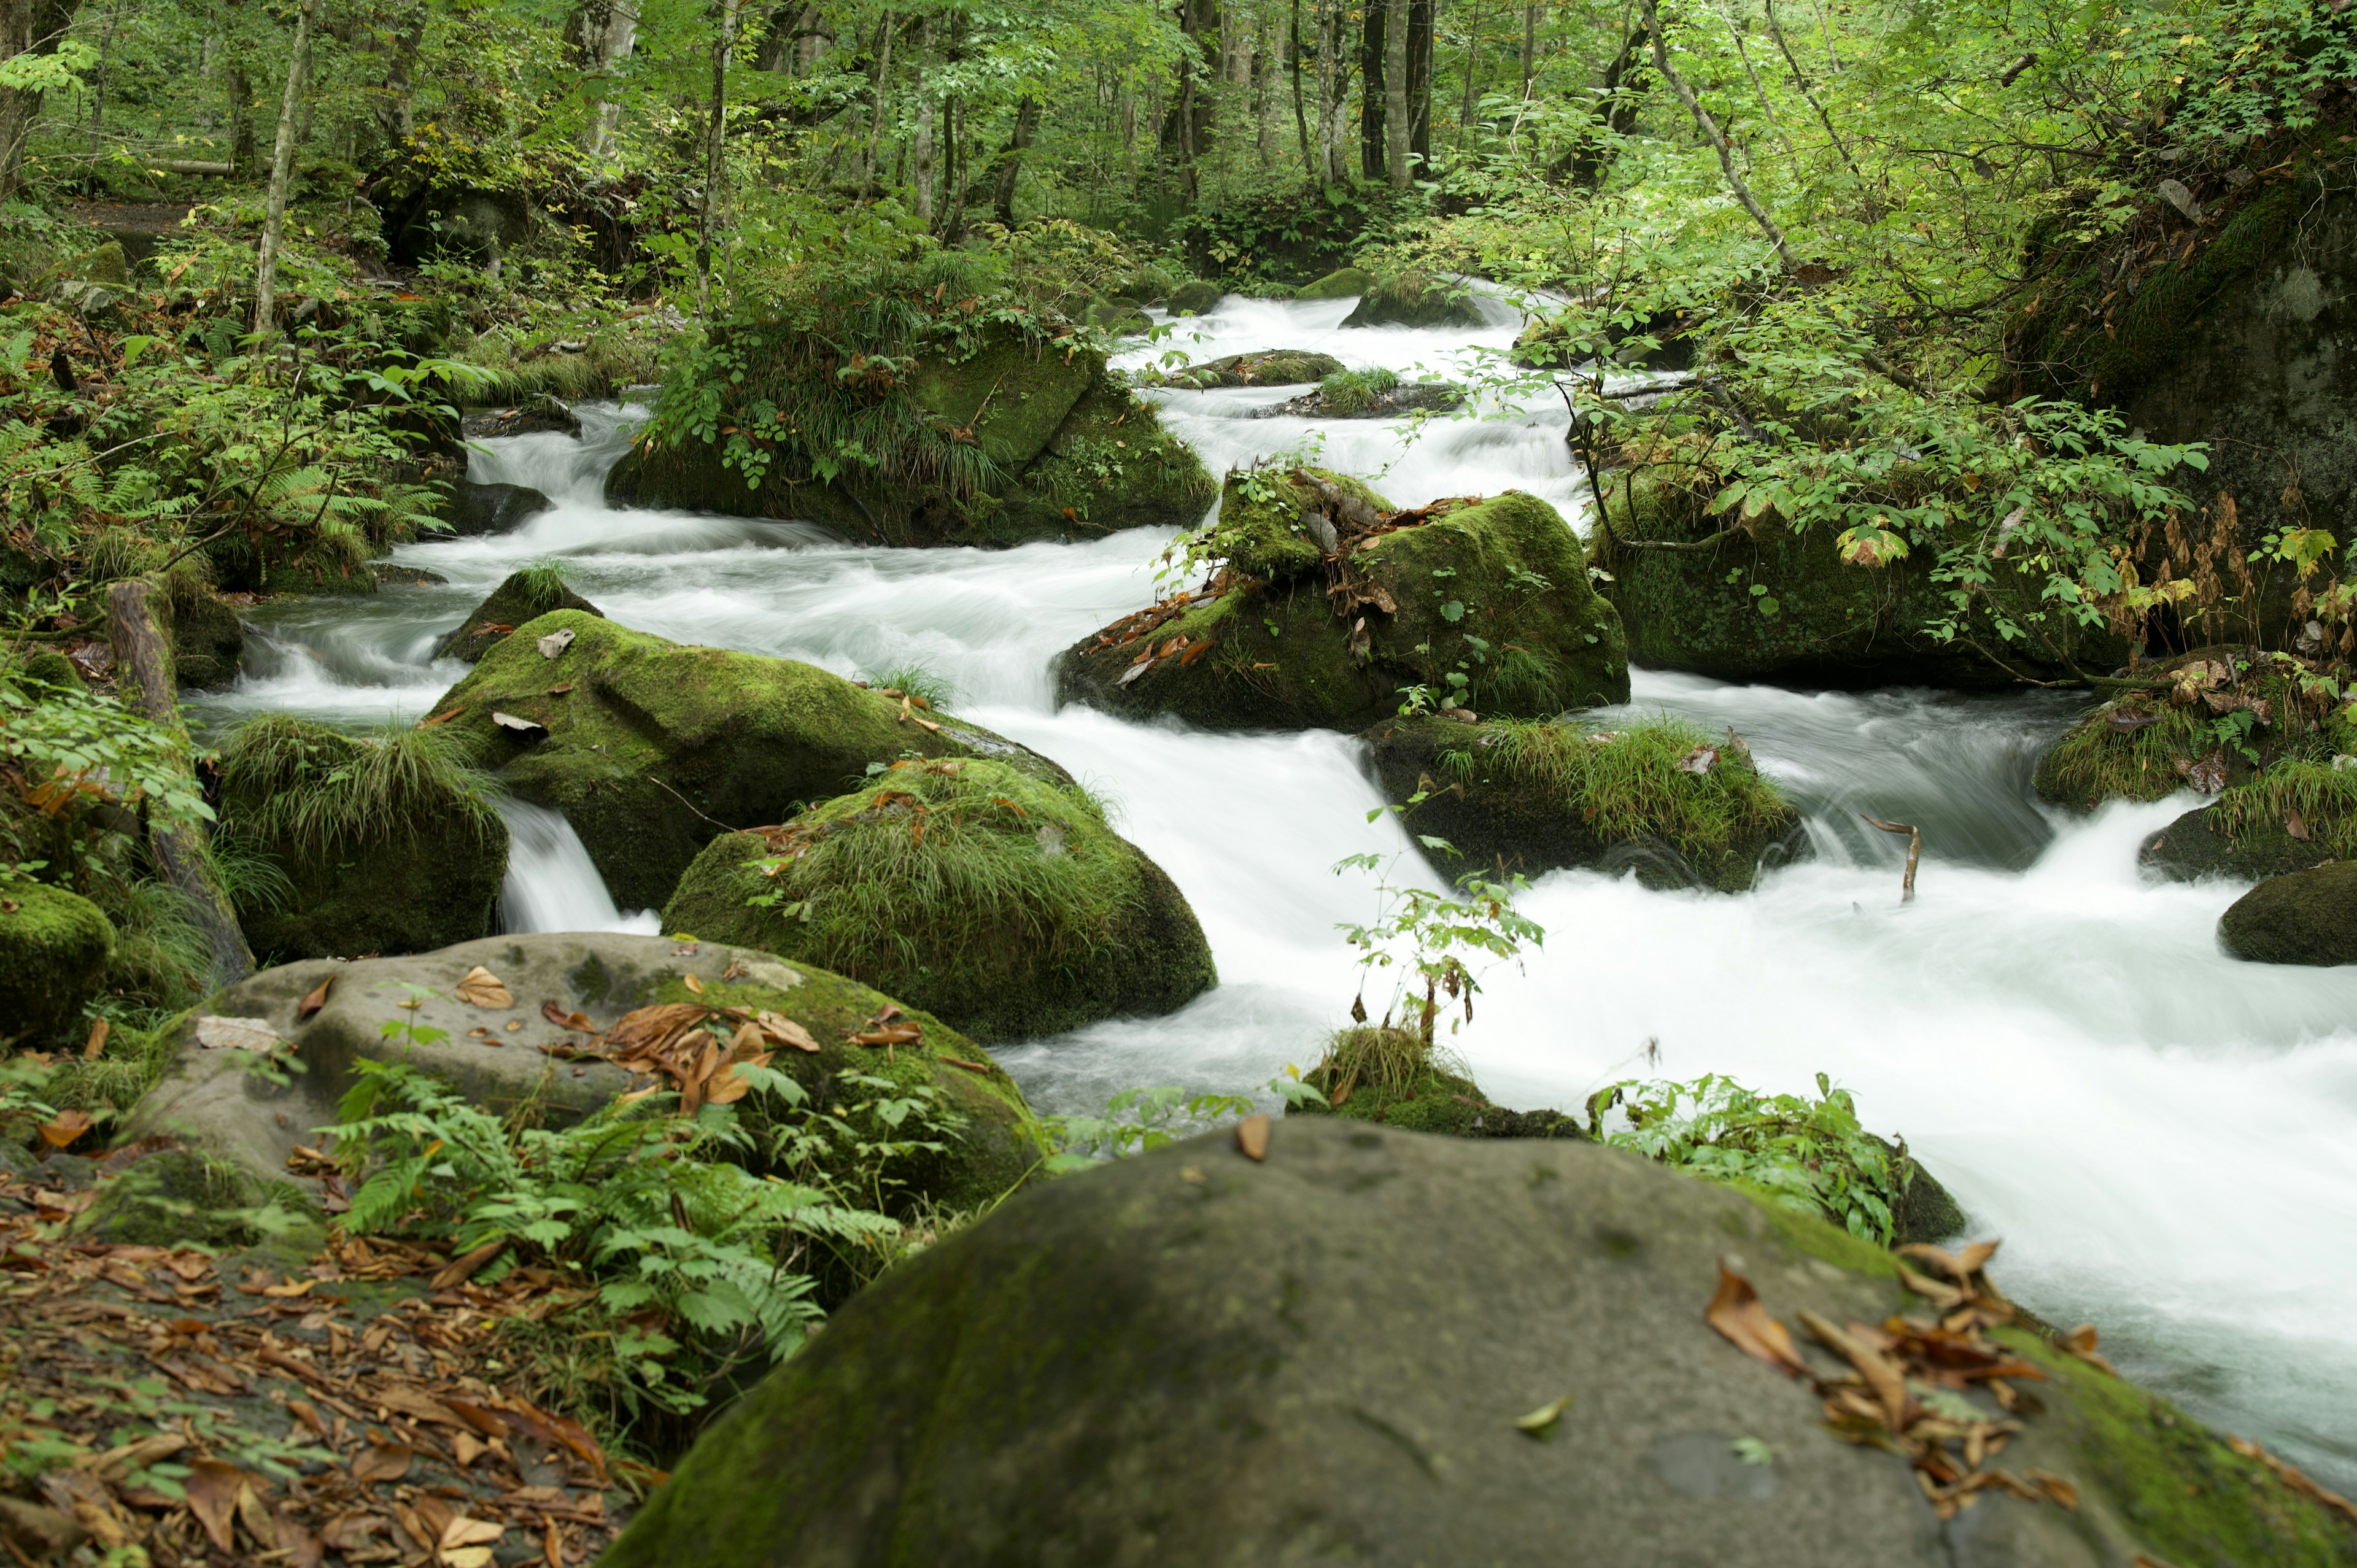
553 884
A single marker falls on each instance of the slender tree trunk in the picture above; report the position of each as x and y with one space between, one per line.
952 213
1766 109
142 663
1530 48
1472 55
606 31
282 164
396 108
1373 101
1300 114
1709 128
716 155
1419 82
884 31
1398 127
1802 82
1010 162
26 27
920 136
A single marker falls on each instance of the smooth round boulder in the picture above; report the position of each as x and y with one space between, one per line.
1195 297
2305 916
1377 1346
491 509
1342 283
1415 298
53 950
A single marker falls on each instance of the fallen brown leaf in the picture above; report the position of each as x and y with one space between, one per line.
1735 1311
693 983
68 1126
1252 1136
1881 1374
90 1048
556 1013
381 1462
310 1004
2054 1487
2081 1342
478 987
785 1031
469 1265
212 1486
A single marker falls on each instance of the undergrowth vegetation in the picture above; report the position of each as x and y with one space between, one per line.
315 791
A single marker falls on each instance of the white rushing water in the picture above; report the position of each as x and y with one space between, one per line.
2167 1138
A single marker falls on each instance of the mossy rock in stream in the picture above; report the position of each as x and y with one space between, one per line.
211 1100
1660 797
53 950
2307 918
998 901
1275 368
1763 603
386 844
650 748
525 595
207 639
2241 712
1494 593
1068 453
2249 834
1342 283
1194 1356
1423 1095
1415 297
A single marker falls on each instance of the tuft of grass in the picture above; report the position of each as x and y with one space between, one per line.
1355 392
2324 796
543 583
954 866
2094 762
1627 784
915 680
317 790
1380 1059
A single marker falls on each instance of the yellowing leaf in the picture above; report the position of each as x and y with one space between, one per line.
478 987
1540 1423
237 1034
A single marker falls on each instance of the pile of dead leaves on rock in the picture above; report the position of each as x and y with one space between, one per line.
176 1408
1906 1386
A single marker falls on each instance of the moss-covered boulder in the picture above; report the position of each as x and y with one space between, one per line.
1415 297
1000 902
510 1055
2216 718
382 843
543 415
1367 395
1195 297
476 508
2248 833
1068 452
1758 602
1275 368
525 595
208 638
650 748
1378 1073
2306 917
1372 1345
1663 797
53 950
1342 283
1331 602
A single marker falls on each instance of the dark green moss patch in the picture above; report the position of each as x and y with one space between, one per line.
525 595
54 947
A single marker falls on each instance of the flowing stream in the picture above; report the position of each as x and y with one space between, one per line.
2166 1139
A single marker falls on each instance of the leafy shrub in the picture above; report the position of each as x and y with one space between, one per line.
1811 1155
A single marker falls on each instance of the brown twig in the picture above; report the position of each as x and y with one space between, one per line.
1914 852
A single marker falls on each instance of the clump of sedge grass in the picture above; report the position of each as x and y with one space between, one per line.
1629 784
2324 796
1355 392
317 790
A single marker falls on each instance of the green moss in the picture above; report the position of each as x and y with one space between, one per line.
178 1198
2271 767
54 947
1194 298
1493 593
2308 917
1000 1142
1343 282
526 594
1282 367
1542 795
1390 1076
655 745
1356 391
1109 465
386 844
1414 297
1812 1237
996 901
1012 394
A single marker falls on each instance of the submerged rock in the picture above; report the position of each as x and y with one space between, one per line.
1071 453
214 1098
383 844
1367 395
1195 297
53 950
491 509
1277 367
1343 1352
1759 602
525 595
2220 841
1660 798
1342 283
999 902
2305 916
650 748
1415 298
1333 601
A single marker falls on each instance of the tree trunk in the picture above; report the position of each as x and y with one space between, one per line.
920 136
396 110
605 31
716 155
1373 103
884 30
952 214
1300 114
26 27
281 164
1396 123
1333 94
1187 129
1419 82
142 663
243 152
1530 48
1709 128
1472 55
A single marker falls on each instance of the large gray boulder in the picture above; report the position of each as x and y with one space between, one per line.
249 1107
1194 1358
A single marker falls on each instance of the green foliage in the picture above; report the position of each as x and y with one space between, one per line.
319 792
1137 1121
1355 392
1631 783
916 681
70 746
1426 937
692 1256
1811 1155
543 584
2323 795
